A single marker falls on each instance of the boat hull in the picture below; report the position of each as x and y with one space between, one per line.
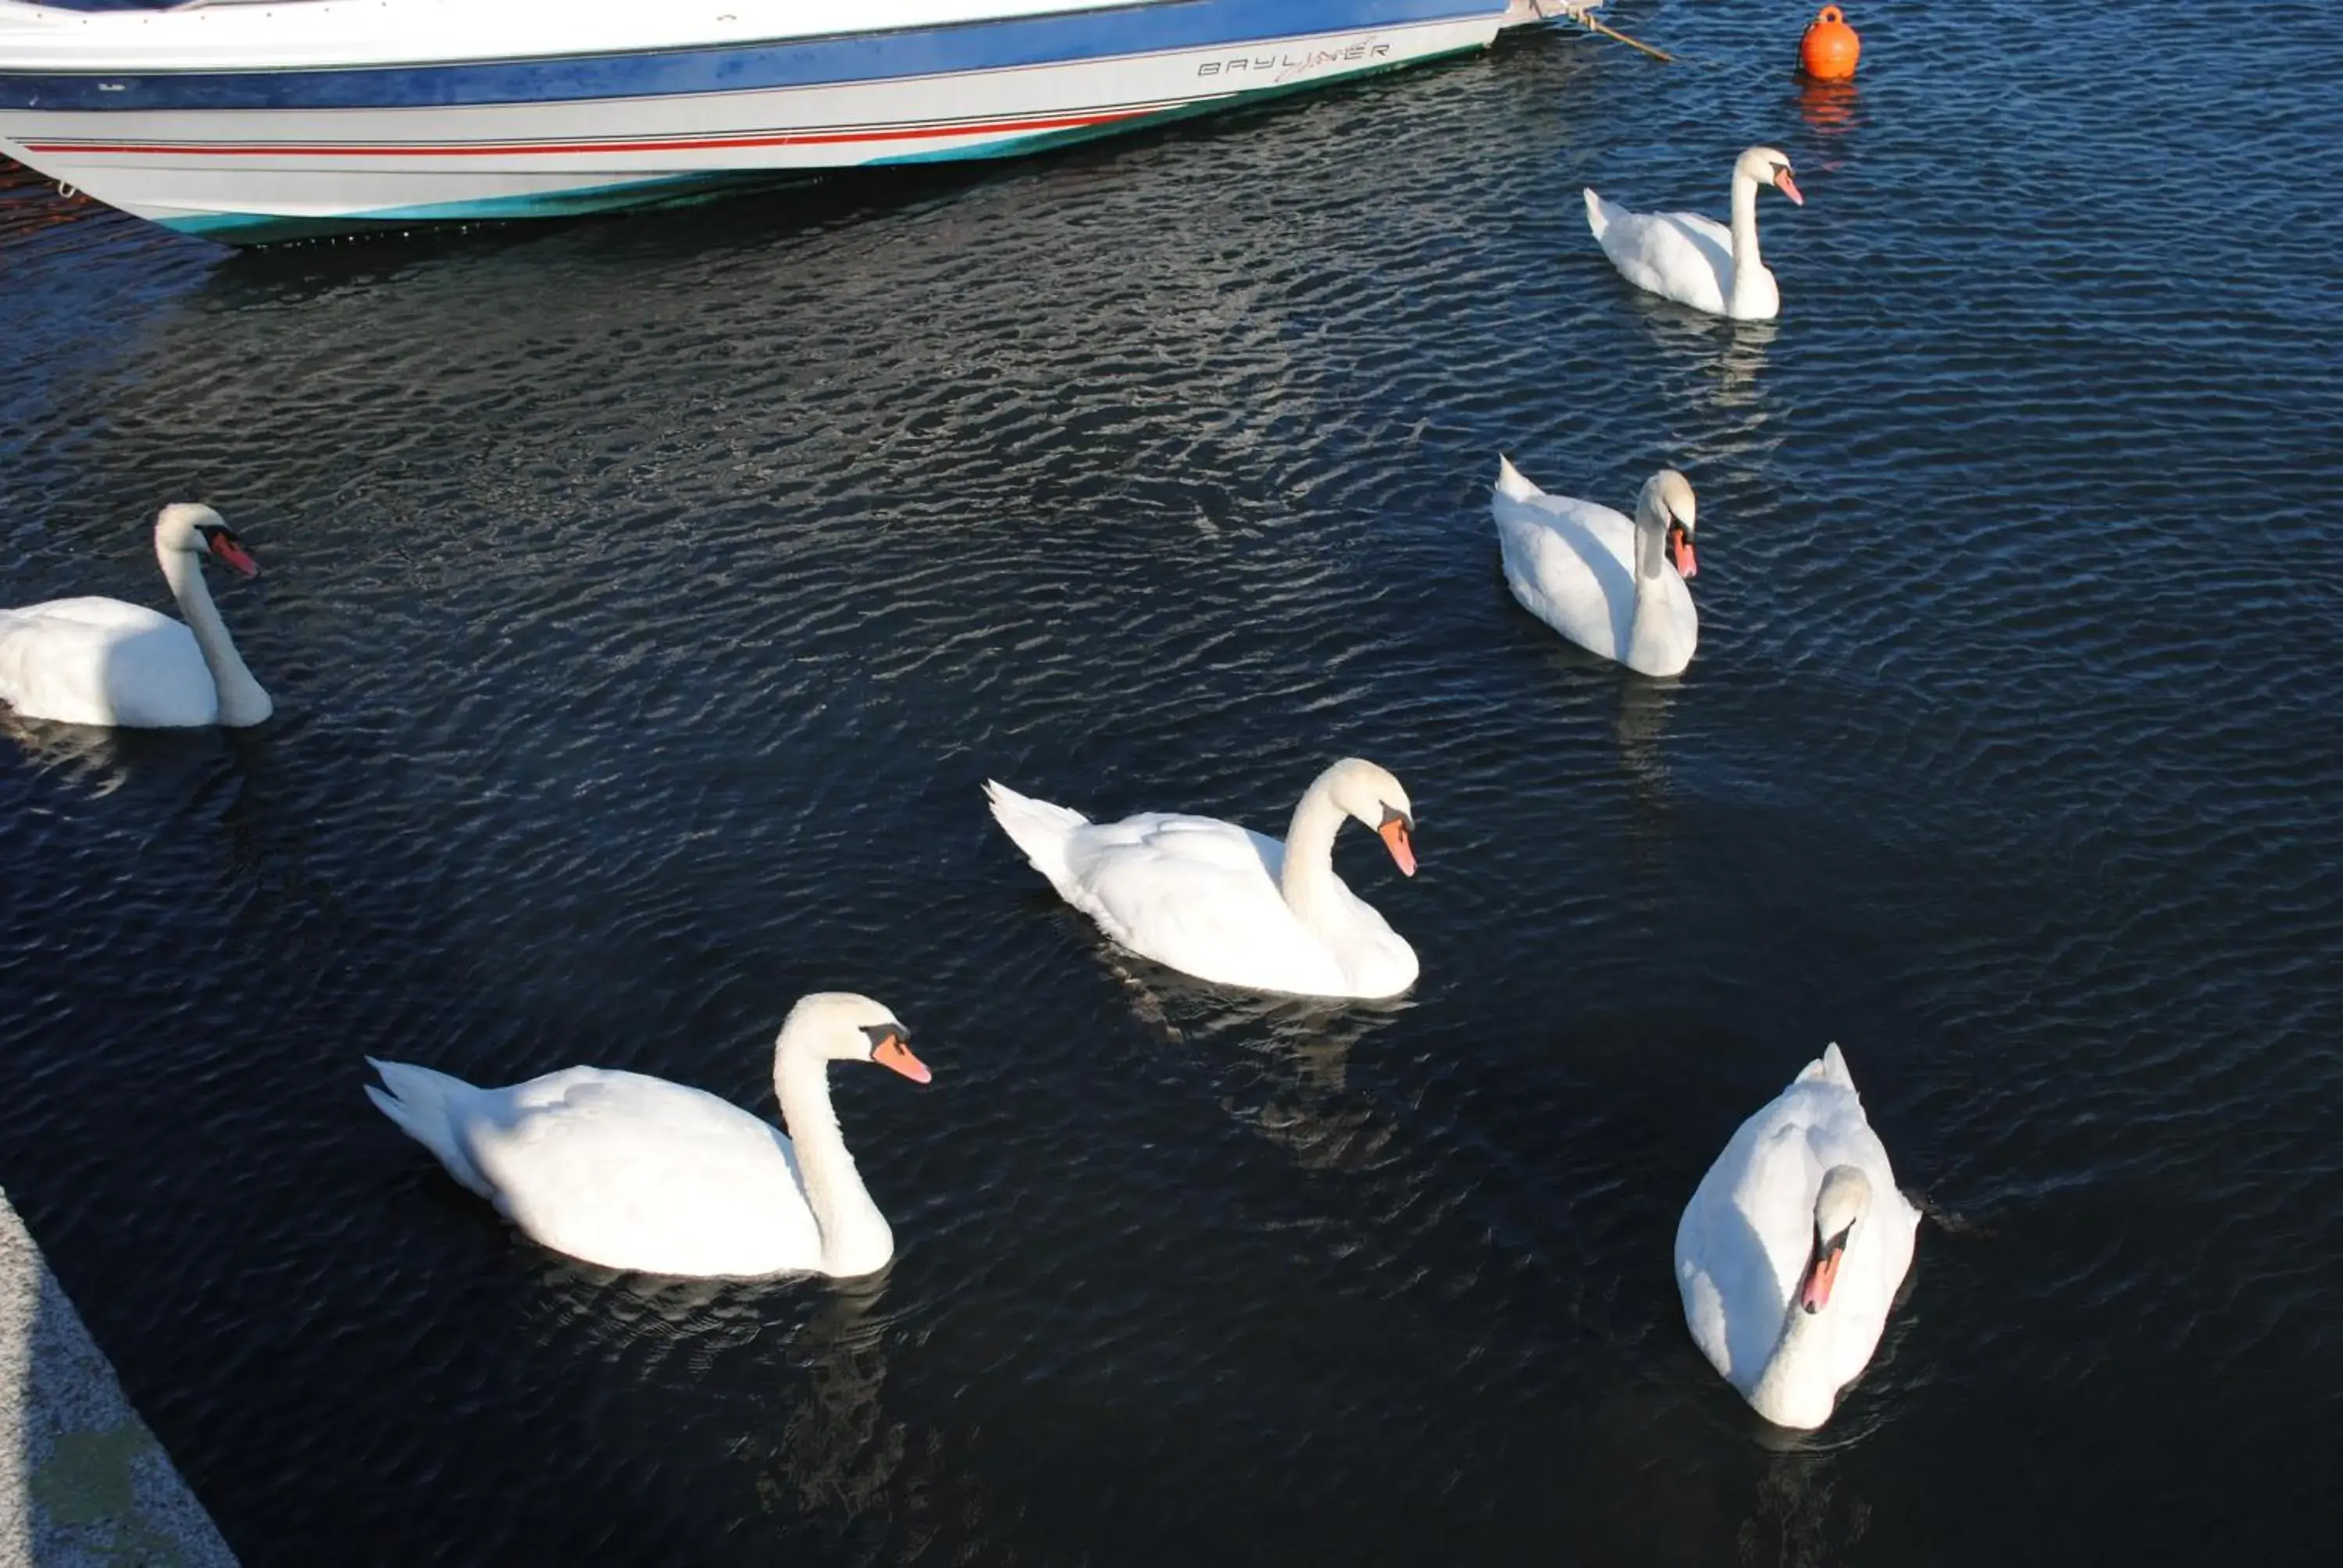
252 155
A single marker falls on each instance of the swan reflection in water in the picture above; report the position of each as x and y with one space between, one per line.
92 757
837 1449
787 1376
1285 1059
230 781
1717 366
1739 363
1640 728
1804 1516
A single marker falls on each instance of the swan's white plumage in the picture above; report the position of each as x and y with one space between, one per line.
619 1169
635 1172
1745 1240
1680 255
1694 259
1571 564
102 661
1205 898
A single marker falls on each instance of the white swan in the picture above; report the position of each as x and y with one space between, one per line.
102 661
1789 1255
1223 903
1613 587
1694 260
635 1172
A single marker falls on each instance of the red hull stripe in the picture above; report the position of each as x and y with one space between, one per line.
534 149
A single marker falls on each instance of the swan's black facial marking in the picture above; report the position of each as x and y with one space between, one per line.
223 543
1784 182
1822 1270
1677 542
887 1049
1396 830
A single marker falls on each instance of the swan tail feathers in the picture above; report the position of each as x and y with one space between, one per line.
1037 828
1598 212
1510 483
1828 1068
418 1101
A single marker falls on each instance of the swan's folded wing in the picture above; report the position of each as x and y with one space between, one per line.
98 660
1680 254
1563 570
1745 1237
1200 895
1702 1249
1714 240
95 612
641 1174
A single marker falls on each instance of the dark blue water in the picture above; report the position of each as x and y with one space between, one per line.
646 600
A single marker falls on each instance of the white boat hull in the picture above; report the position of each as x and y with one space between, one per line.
220 161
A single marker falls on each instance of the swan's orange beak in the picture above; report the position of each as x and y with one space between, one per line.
1680 553
891 1051
1788 187
1813 1295
226 546
1396 839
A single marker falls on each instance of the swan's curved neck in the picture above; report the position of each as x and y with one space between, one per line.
1308 878
1746 258
855 1238
1651 550
1651 556
1794 1387
241 699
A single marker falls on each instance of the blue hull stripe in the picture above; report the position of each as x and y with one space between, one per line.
1137 29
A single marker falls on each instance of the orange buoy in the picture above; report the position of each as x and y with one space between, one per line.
1830 48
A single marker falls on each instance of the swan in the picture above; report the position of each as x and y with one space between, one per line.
1223 903
1694 260
1790 1252
1612 586
635 1172
102 661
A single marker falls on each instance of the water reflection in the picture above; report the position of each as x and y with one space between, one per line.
626 1316
30 202
806 1426
224 794
1804 1516
1827 107
1285 1058
90 757
1717 366
1638 728
267 838
837 1449
1738 365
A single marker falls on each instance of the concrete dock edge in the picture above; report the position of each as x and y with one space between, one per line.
82 1483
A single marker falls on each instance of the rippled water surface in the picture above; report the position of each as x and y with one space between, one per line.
645 601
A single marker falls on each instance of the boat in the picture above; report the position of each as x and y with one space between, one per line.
256 120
